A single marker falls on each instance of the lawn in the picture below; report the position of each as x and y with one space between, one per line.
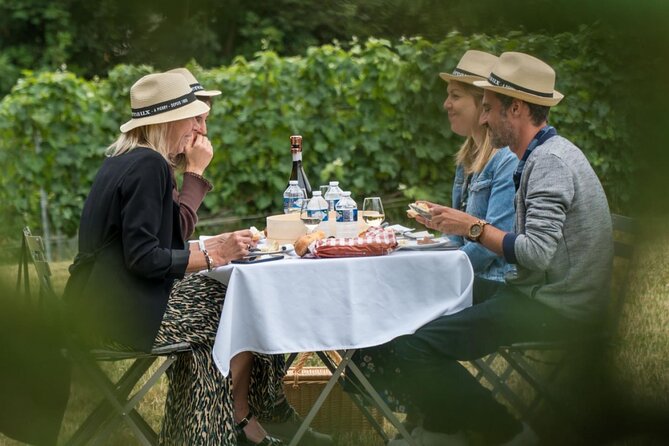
639 363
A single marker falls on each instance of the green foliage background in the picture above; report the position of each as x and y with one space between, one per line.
371 117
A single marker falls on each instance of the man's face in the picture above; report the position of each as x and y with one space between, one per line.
495 117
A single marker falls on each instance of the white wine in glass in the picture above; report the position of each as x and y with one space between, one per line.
310 217
372 211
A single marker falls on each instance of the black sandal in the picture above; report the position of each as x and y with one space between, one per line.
243 440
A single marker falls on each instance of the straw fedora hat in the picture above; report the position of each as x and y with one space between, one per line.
162 97
474 65
197 87
523 77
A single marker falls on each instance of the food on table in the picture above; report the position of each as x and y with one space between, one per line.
285 228
302 243
425 241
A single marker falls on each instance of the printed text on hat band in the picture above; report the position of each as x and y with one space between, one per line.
499 82
461 72
163 107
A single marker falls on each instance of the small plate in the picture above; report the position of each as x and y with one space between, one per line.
440 243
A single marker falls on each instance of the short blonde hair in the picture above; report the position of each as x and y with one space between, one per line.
472 157
154 136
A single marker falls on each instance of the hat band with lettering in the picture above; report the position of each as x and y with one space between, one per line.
163 107
499 82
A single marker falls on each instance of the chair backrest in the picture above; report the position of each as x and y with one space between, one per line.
32 251
624 242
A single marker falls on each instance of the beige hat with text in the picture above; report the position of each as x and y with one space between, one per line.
162 97
197 87
523 77
474 65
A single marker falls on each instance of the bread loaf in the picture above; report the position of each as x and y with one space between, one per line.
302 243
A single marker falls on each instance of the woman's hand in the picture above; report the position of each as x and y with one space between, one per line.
199 154
212 242
447 220
234 246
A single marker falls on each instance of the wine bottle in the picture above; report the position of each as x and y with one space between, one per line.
298 171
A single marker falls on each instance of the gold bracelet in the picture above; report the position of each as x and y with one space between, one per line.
210 263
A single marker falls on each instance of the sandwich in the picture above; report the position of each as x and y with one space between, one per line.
418 208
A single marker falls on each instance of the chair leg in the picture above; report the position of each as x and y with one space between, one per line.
114 404
358 400
499 385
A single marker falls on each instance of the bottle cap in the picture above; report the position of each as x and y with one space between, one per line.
346 193
292 182
334 183
296 143
316 193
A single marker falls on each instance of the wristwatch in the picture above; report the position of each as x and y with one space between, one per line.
475 230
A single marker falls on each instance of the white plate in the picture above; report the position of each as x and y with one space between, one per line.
417 235
439 243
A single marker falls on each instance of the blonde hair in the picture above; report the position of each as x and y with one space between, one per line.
153 136
472 157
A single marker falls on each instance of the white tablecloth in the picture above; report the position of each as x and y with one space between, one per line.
297 305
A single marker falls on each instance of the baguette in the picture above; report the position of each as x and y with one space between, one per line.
302 243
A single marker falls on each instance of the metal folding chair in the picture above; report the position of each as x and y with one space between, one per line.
541 364
118 404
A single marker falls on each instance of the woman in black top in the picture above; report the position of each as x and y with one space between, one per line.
133 250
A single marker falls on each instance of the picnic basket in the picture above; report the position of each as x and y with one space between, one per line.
338 413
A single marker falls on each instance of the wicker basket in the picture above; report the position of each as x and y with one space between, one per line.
337 414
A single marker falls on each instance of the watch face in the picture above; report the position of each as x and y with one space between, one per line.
475 230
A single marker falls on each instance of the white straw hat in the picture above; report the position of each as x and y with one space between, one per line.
474 65
524 77
162 97
198 89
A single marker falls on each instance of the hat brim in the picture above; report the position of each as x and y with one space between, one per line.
187 111
527 97
208 93
467 79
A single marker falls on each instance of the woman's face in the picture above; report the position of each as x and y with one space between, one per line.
181 134
463 109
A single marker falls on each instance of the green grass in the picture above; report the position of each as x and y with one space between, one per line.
639 362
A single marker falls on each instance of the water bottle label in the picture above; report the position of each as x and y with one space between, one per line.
321 214
292 204
347 215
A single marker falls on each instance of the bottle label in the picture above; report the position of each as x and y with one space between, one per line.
321 214
347 215
291 204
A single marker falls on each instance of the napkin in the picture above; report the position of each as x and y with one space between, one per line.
373 242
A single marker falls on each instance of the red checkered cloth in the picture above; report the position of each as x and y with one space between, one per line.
373 242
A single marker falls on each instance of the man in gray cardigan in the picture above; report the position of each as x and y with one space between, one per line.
562 248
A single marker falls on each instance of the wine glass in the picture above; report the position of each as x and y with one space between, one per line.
372 211
309 216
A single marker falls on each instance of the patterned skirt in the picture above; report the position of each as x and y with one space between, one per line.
199 406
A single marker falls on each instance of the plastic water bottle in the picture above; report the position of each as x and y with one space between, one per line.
318 205
347 216
333 195
292 198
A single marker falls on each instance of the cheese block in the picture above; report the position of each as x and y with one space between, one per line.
285 228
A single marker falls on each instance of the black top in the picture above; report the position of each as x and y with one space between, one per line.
131 222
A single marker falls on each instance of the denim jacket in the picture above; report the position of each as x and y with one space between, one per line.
491 195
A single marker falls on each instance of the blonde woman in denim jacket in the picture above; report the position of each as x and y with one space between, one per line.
483 185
